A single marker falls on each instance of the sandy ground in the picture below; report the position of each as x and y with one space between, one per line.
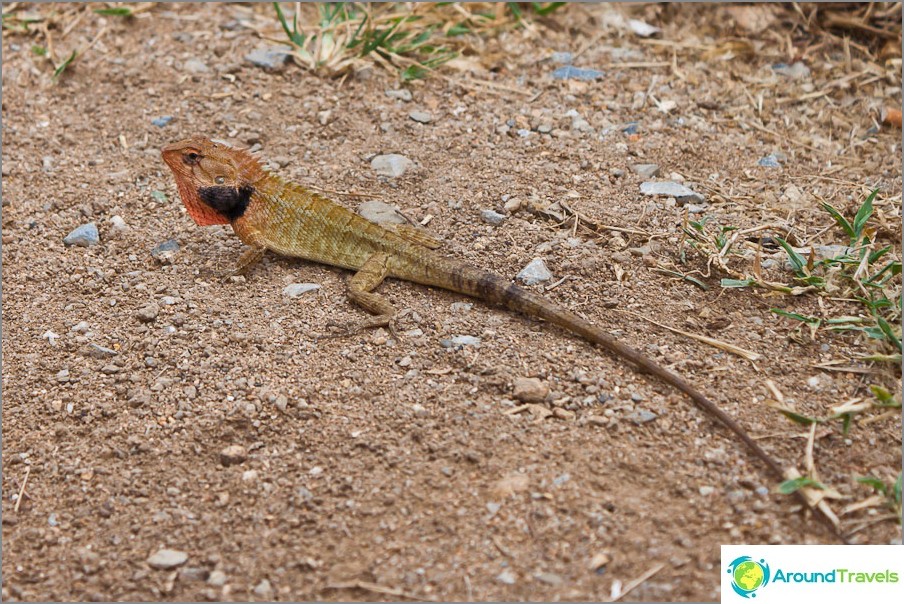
369 462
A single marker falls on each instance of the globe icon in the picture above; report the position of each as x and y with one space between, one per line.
748 575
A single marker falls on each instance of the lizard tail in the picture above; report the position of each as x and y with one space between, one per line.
495 289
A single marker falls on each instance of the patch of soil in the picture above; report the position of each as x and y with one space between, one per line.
370 463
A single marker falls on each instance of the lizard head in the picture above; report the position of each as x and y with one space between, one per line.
215 181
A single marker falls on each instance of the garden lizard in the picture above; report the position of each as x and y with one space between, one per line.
220 184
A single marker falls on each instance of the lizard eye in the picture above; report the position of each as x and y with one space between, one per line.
191 158
219 180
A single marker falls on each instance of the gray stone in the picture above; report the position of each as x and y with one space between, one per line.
233 455
162 121
118 225
562 58
421 117
642 416
165 251
507 577
381 213
217 578
272 58
264 590
529 390
535 272
646 170
459 341
671 189
770 161
293 290
492 217
148 314
99 352
84 236
569 72
795 71
391 165
167 559
195 66
550 579
642 29
402 94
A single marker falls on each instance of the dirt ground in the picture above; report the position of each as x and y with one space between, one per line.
370 467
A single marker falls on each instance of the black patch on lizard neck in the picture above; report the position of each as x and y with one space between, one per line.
228 201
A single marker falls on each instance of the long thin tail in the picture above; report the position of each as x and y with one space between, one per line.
496 289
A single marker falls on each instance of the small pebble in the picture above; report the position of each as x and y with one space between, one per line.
391 165
83 236
421 117
165 251
535 272
233 455
148 313
671 189
195 66
795 71
492 217
707 491
217 578
402 94
264 590
381 213
272 58
118 225
770 161
642 29
167 559
569 72
646 170
507 577
529 390
459 341
294 290
562 58
162 121
642 416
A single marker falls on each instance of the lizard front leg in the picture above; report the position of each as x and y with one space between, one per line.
252 255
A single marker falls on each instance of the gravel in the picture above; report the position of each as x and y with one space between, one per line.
167 559
271 58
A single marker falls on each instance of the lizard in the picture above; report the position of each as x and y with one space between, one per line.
220 184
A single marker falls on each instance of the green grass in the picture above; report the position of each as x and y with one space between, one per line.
413 39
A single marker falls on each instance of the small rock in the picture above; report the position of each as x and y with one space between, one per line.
99 352
233 454
511 484
795 71
323 117
492 217
422 117
84 236
264 590
544 128
50 336
391 165
549 578
165 251
195 66
62 375
458 307
644 30
707 491
562 58
646 170
249 476
569 72
80 327
148 314
402 94
294 290
770 161
381 213
642 416
671 189
272 58
162 121
459 341
630 128
507 577
599 561
529 390
217 578
47 163
167 559
118 225
535 272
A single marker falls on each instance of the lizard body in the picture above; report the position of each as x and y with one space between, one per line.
220 184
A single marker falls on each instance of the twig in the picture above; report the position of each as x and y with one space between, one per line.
741 352
22 489
379 589
633 584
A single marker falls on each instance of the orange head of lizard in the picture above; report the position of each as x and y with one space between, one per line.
215 181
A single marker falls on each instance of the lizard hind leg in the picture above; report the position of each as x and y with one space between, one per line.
360 291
